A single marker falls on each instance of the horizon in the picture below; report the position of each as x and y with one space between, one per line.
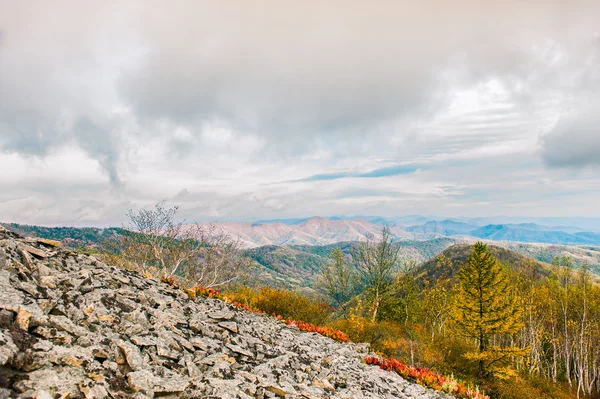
280 110
591 224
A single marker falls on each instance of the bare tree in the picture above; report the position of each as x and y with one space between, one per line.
377 261
196 252
218 262
128 250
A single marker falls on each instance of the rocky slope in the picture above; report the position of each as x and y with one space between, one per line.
72 327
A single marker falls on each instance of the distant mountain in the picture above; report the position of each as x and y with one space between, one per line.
568 224
397 221
324 231
443 227
284 221
529 232
313 231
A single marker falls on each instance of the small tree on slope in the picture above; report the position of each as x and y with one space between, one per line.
486 311
339 281
199 254
377 262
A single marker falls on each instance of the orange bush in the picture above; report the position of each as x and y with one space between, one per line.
326 331
208 292
289 304
170 281
426 378
204 292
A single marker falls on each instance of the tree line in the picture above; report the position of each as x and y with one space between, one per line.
512 329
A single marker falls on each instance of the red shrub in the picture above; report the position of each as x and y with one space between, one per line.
426 378
170 281
326 331
208 292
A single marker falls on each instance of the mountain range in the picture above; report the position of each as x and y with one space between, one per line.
295 259
313 231
325 231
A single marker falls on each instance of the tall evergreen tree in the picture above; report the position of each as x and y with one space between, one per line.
486 308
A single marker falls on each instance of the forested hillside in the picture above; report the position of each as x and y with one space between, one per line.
74 237
579 255
455 256
295 266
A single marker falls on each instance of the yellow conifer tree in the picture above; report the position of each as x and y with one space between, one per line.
486 309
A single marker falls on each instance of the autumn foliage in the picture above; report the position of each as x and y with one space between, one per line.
170 281
289 304
426 378
332 333
326 331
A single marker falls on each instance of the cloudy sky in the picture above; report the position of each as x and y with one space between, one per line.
247 110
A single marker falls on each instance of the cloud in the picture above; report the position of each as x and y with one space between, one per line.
327 74
110 104
56 84
574 142
301 75
101 144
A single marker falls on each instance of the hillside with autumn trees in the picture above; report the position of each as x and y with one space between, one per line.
477 319
533 332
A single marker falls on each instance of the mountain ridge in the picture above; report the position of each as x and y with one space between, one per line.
324 231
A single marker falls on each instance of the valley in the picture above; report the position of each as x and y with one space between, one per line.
290 254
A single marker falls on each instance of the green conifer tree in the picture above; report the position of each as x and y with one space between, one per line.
486 308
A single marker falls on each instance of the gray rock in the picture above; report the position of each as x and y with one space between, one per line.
239 350
229 325
132 355
171 384
221 315
93 391
142 380
146 340
7 348
163 350
65 324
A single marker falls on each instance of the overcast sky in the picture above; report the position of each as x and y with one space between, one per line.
271 109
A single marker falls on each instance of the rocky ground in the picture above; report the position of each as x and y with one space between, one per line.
73 327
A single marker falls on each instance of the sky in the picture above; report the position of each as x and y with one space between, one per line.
279 109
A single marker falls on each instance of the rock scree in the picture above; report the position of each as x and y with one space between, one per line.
74 327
